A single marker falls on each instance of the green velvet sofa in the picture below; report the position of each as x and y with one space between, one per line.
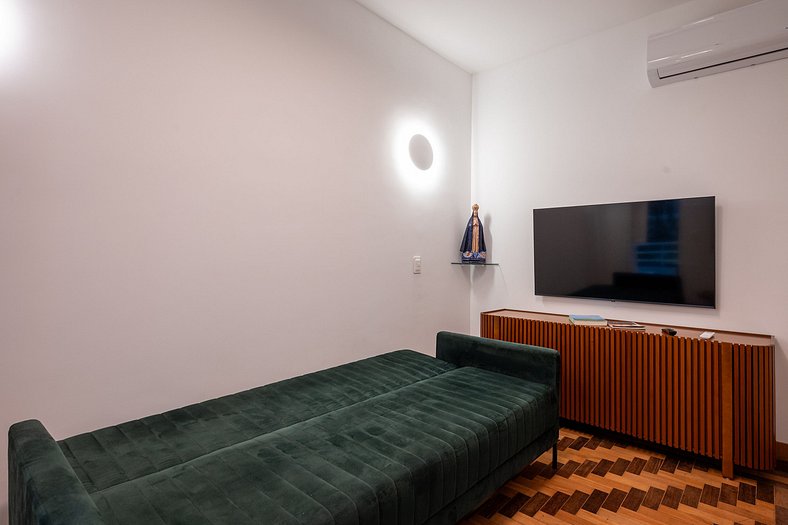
400 438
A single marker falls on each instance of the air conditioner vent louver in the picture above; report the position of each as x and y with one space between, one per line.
743 37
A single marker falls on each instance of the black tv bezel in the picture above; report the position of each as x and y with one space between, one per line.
713 306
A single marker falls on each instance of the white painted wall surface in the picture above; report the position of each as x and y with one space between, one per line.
580 124
200 197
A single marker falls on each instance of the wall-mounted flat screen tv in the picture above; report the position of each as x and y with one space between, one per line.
660 251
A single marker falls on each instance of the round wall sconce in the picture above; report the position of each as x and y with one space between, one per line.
420 151
418 154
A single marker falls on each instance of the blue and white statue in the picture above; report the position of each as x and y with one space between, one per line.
473 249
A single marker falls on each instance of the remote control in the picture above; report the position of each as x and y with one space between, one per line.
669 331
706 335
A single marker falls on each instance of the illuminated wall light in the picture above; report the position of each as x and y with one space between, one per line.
417 155
10 30
420 151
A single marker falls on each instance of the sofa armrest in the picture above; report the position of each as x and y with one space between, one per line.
42 486
533 363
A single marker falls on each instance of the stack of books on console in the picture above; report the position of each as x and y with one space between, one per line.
587 320
626 325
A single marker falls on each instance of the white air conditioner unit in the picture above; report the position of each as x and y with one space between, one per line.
746 36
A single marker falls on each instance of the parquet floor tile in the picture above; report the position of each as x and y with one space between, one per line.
600 481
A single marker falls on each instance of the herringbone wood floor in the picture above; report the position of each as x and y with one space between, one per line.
599 481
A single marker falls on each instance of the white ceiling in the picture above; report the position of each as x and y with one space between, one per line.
483 34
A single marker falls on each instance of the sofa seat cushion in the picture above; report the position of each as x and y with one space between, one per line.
398 457
128 451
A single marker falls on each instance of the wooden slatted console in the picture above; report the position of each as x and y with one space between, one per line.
714 398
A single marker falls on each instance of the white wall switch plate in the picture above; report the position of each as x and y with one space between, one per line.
417 264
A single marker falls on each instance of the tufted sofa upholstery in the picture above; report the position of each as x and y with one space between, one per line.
400 438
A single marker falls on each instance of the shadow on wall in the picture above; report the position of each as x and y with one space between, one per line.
484 278
488 236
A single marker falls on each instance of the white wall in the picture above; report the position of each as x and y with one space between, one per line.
580 124
199 197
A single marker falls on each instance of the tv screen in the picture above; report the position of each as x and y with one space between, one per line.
659 251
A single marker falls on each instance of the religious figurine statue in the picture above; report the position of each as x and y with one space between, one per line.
473 249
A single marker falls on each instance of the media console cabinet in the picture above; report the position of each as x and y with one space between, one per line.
714 398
